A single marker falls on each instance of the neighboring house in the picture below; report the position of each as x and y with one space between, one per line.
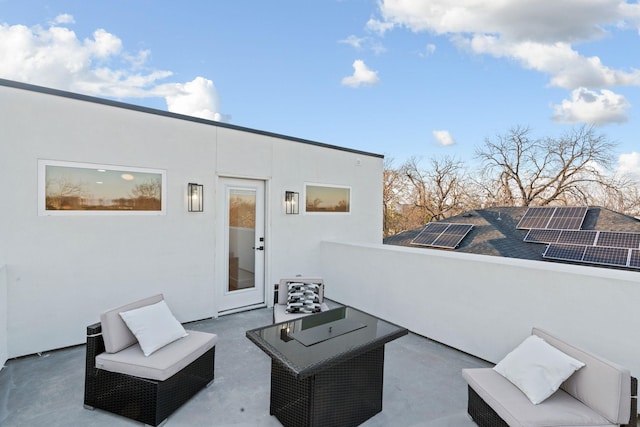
495 231
96 212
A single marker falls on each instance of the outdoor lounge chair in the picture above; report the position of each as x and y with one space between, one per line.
122 379
549 382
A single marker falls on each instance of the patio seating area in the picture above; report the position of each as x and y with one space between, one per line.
423 385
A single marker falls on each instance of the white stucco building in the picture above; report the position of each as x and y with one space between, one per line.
61 266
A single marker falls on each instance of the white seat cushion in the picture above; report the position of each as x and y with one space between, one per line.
559 410
163 363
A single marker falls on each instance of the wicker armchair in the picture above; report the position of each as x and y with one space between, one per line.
149 401
600 393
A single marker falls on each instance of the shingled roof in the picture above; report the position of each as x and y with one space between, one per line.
494 231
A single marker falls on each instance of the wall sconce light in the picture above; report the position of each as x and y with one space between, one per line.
291 199
194 197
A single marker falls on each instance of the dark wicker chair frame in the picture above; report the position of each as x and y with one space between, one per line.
484 415
141 399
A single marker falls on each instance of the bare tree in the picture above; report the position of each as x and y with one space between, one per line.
147 195
527 171
394 189
438 191
517 170
64 192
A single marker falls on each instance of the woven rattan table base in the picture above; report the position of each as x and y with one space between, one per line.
344 395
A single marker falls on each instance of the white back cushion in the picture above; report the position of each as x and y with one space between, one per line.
537 368
154 326
115 332
602 385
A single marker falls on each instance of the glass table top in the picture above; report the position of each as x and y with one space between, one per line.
309 344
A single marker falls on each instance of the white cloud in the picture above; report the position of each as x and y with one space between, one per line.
353 41
428 50
593 108
197 98
537 33
443 137
362 75
64 18
568 69
103 44
379 27
361 43
55 57
629 164
537 20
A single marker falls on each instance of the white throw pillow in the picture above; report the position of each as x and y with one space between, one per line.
537 368
154 326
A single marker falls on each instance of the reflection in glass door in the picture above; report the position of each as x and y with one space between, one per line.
244 244
242 234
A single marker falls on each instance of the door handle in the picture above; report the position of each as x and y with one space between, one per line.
259 248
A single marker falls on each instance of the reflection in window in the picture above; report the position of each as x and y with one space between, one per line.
70 187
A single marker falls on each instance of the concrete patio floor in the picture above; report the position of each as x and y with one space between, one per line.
422 385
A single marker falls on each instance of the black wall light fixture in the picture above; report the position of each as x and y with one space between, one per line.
195 202
291 199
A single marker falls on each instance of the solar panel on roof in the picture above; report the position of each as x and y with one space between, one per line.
571 237
608 256
567 218
578 237
619 239
559 217
442 235
429 233
564 252
453 235
617 257
559 227
536 217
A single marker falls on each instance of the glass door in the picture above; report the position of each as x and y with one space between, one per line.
244 245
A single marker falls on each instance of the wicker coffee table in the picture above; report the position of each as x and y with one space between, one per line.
326 369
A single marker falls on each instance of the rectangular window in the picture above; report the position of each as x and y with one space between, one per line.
327 199
69 188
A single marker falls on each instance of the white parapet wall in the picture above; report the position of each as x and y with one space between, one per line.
486 305
4 353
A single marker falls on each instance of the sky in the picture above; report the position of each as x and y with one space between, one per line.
402 78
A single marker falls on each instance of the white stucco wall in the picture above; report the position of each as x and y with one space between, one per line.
487 305
4 355
62 271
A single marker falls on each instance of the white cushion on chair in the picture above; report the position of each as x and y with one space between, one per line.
154 326
162 364
602 385
115 332
515 409
537 368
